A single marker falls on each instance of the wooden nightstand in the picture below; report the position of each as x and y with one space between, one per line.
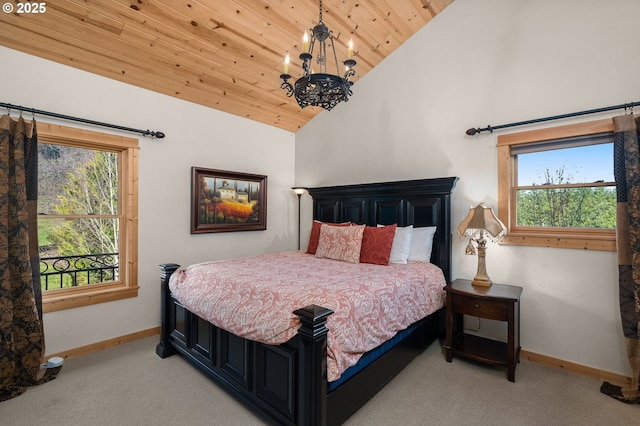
498 302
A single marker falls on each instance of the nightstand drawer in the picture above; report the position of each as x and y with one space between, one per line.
482 308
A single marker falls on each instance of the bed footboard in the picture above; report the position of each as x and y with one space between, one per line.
164 348
287 382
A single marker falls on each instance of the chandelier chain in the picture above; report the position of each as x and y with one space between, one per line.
335 57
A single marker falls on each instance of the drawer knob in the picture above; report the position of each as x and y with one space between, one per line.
477 305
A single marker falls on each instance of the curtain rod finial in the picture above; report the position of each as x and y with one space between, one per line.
471 131
157 135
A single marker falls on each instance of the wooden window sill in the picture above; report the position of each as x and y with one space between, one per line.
57 300
604 243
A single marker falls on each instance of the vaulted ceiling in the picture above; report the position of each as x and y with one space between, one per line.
223 54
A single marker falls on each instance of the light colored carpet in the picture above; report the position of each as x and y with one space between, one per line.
130 385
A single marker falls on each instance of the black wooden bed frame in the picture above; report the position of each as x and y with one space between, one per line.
288 382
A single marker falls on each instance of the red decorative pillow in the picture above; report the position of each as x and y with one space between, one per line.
315 234
376 244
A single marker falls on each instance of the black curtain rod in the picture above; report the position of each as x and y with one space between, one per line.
474 131
34 111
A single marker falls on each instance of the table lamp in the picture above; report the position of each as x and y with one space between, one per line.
481 222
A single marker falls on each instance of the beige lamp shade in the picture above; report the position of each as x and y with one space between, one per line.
481 218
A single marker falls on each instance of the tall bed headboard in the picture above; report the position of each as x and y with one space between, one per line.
423 202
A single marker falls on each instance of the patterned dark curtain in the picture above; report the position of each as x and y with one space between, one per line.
21 332
627 176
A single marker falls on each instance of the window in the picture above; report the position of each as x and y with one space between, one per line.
556 187
87 216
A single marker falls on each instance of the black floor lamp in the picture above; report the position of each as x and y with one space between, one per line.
298 190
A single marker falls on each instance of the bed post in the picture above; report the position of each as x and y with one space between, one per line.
164 349
312 379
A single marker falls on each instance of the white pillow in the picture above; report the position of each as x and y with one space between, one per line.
421 244
401 245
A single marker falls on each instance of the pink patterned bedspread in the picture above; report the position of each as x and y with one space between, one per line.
254 298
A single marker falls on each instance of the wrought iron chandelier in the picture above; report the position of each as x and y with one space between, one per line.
320 88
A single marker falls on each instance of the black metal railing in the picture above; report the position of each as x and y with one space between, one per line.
73 271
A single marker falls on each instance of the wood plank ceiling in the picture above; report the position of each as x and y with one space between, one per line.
223 54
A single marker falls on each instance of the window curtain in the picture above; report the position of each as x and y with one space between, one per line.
21 331
627 177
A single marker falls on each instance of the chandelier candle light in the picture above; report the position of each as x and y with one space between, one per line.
481 222
319 88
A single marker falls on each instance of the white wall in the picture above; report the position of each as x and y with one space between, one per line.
492 62
196 136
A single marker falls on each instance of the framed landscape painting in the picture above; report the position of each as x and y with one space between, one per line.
224 201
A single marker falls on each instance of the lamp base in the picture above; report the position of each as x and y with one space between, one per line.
482 278
480 282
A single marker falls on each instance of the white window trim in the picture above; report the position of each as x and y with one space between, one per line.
587 239
127 286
